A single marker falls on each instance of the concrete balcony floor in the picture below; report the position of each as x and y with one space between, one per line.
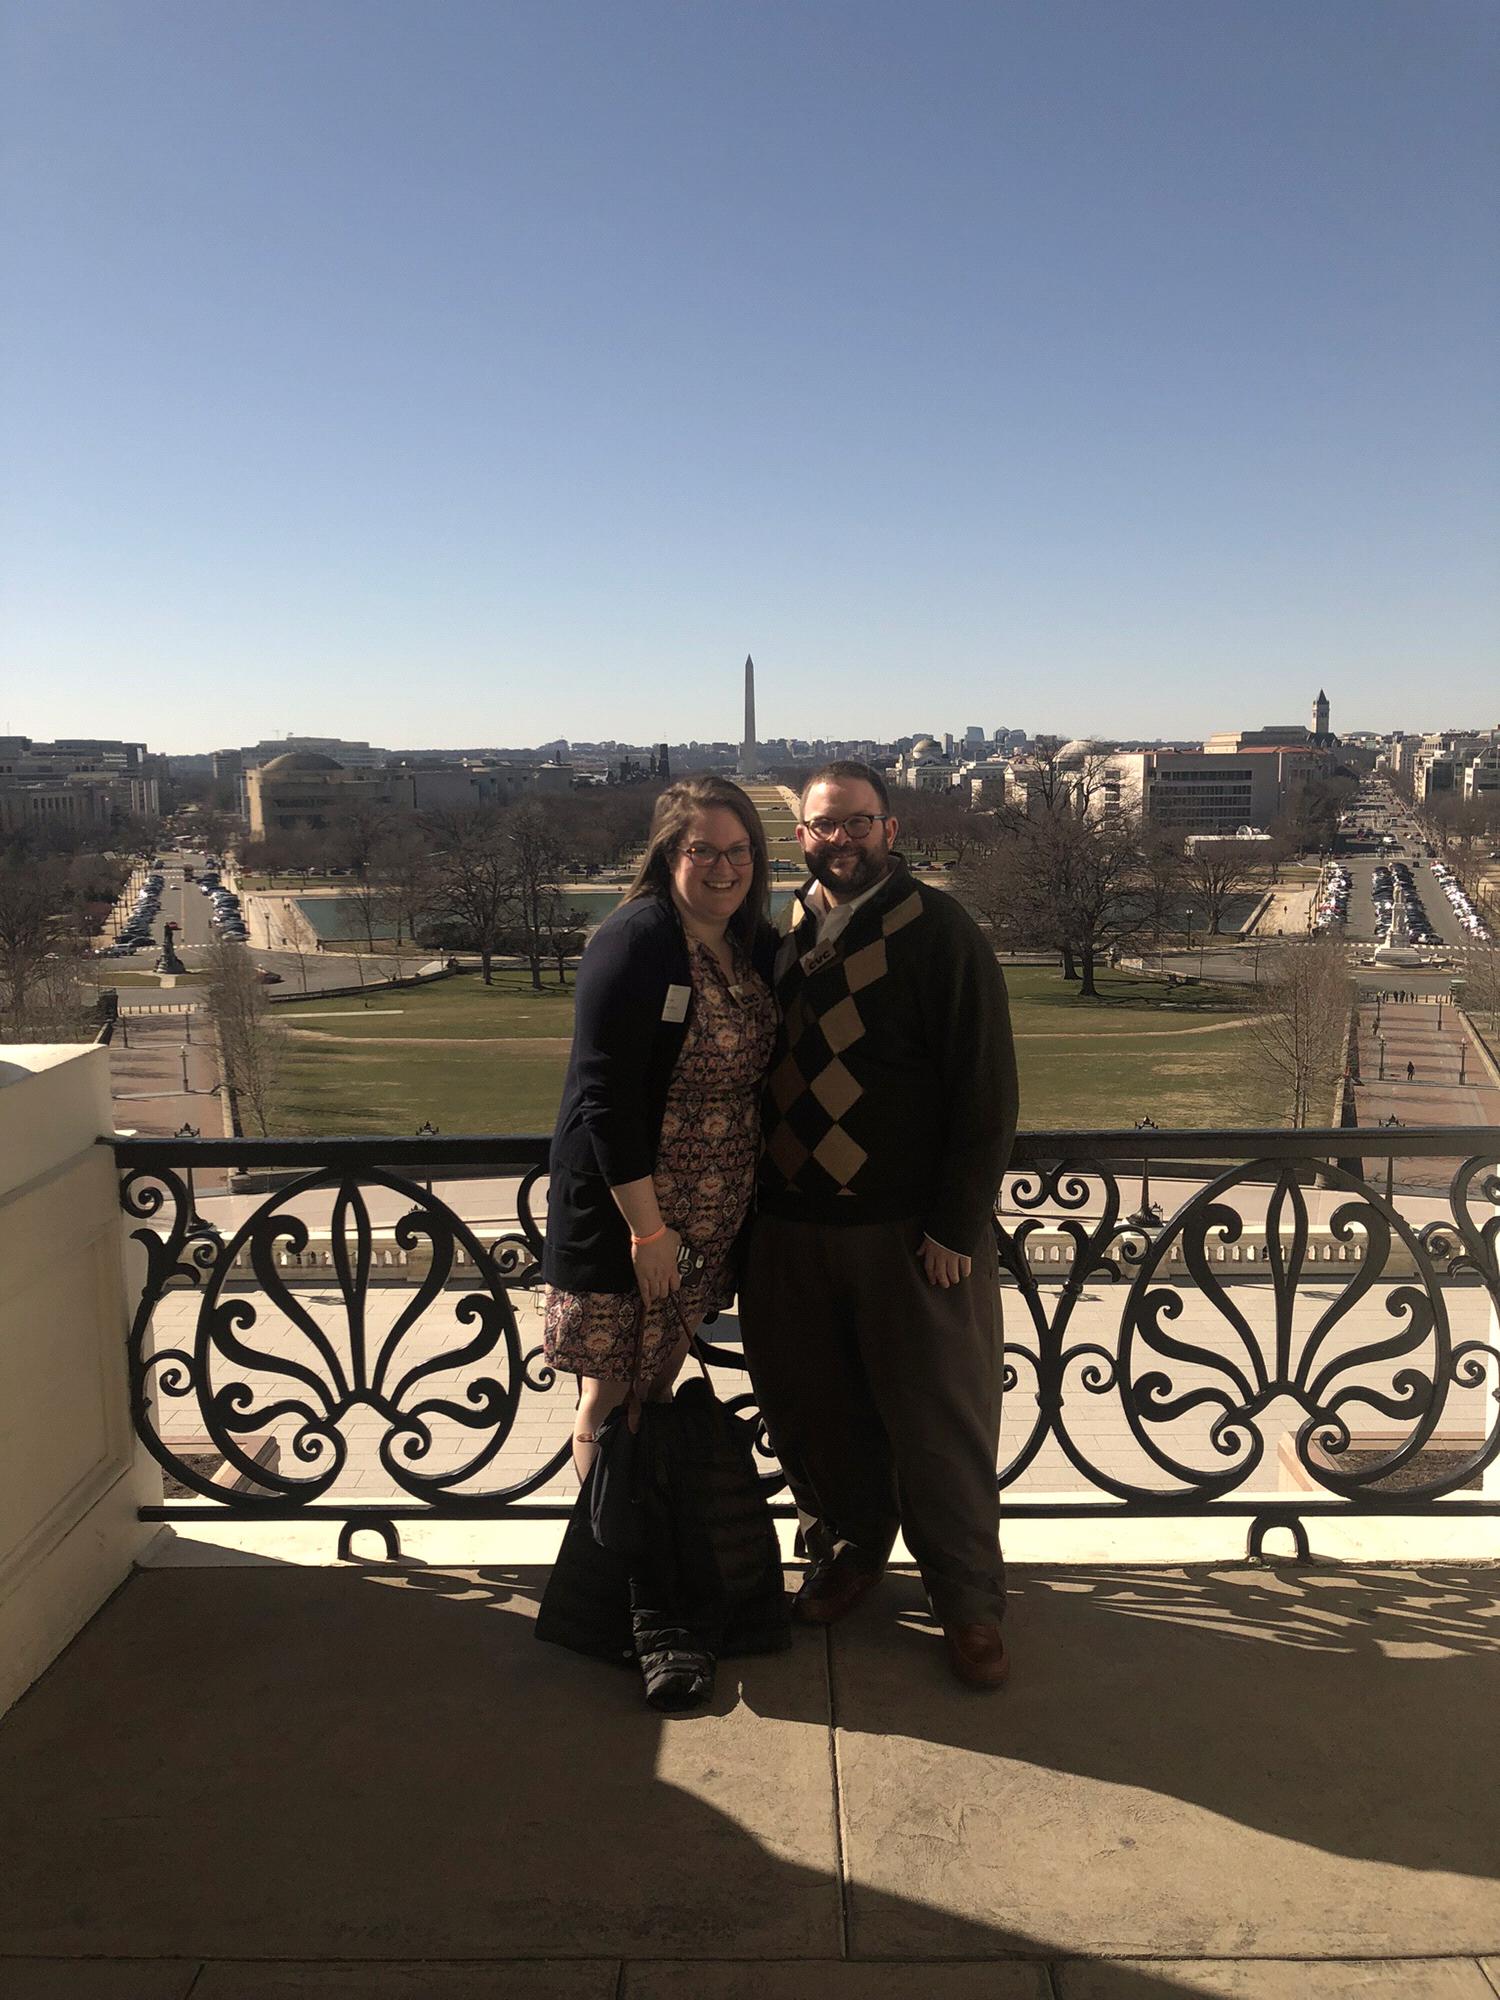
268 1781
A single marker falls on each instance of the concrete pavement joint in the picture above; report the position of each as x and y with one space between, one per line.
840 1849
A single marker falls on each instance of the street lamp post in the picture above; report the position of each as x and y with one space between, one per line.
1463 1057
427 1130
1393 1123
1148 1215
196 1225
1381 1077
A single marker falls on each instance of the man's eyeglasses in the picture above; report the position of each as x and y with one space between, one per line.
857 825
702 855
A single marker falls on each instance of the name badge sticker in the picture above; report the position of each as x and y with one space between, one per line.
675 1006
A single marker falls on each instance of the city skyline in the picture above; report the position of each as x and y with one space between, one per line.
423 373
1036 710
1032 726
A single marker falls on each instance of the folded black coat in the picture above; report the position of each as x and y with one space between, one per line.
703 1569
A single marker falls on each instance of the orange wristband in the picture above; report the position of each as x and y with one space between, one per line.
655 1237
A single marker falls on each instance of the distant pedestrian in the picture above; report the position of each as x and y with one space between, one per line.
1411 1072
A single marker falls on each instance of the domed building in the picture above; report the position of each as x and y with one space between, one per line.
297 761
926 767
302 791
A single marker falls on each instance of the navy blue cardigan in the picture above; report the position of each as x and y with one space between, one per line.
615 1092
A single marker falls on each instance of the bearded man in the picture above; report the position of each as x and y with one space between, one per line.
870 1305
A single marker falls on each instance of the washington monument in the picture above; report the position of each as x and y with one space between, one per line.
749 755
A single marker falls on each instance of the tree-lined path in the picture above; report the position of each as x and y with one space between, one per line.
1452 1084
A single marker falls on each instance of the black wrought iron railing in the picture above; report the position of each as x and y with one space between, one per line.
1290 1333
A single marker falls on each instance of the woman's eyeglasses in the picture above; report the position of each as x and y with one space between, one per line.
857 825
702 855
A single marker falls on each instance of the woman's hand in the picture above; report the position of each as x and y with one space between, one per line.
656 1272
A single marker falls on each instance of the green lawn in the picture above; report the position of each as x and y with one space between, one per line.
462 1008
1042 1001
339 1089
1139 1050
1142 1049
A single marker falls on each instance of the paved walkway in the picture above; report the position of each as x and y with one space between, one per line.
253 1783
149 1057
1289 912
1433 1040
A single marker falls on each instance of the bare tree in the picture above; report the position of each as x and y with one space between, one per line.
1162 876
138 835
288 937
472 869
566 930
536 858
1296 1041
1065 872
1310 818
1217 871
921 814
40 954
214 829
375 909
934 820
359 836
1482 987
403 864
250 1048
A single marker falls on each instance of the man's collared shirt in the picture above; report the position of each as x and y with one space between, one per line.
829 918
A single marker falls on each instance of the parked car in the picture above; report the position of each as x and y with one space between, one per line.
268 978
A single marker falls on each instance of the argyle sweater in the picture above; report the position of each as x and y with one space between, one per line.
892 1093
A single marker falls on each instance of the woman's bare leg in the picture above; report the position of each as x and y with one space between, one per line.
659 1388
596 1399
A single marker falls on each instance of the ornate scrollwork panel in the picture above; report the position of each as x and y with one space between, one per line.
1270 1339
282 1377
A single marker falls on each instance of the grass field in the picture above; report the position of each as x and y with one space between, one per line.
475 1059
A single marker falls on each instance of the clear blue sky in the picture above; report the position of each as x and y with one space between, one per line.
470 371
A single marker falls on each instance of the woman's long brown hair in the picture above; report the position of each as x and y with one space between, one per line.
670 822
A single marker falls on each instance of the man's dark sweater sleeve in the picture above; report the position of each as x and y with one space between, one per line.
621 984
967 1012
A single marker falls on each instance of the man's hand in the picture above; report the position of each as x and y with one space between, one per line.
943 1267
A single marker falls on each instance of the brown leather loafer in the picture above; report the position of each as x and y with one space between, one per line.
977 1655
834 1585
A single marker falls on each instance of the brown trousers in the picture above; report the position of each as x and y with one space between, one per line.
882 1396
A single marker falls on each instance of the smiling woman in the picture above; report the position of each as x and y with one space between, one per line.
655 1144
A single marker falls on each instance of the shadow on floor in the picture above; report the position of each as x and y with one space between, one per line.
379 1763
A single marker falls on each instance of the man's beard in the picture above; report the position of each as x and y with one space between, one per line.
871 866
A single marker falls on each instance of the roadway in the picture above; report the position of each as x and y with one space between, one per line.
1362 926
184 904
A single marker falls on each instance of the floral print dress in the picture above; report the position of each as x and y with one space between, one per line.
704 1178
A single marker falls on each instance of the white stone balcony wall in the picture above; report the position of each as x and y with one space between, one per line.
71 1474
